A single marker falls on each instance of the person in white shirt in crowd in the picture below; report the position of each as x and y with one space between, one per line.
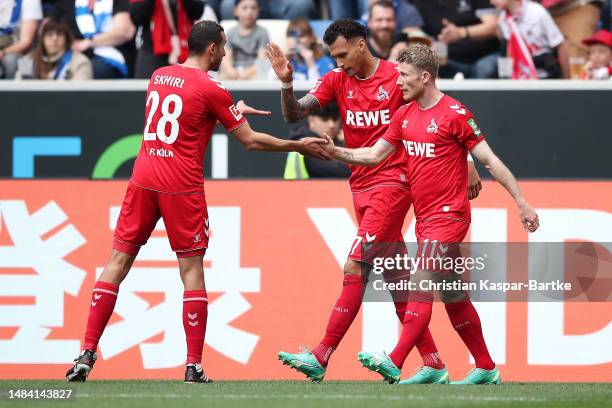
19 20
535 43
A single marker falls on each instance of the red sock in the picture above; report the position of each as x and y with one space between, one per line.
428 350
342 316
103 298
418 315
466 322
426 345
195 313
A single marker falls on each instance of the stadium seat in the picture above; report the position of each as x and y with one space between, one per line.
319 27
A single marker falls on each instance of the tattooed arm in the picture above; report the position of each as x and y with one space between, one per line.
294 109
363 156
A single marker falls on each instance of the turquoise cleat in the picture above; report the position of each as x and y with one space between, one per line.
304 362
381 364
480 376
428 375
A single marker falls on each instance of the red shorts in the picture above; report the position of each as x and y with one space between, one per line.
442 230
380 213
439 239
185 217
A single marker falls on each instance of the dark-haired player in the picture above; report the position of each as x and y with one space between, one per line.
364 88
436 131
183 104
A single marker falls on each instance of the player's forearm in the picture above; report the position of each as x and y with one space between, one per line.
265 142
292 111
364 156
504 176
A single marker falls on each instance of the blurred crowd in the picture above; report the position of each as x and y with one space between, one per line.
483 39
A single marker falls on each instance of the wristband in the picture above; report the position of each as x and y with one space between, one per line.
286 85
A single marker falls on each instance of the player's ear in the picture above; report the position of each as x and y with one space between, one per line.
425 76
362 44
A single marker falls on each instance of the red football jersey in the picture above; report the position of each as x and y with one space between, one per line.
437 141
366 107
182 107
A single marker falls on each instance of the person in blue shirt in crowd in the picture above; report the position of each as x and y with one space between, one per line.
306 54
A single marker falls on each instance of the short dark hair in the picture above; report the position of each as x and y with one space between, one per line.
329 111
202 35
382 3
237 2
345 27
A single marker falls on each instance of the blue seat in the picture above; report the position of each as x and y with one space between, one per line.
319 27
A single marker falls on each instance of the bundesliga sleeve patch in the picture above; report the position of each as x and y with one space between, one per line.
474 127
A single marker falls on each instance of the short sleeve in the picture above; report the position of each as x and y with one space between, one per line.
222 106
264 38
31 10
120 6
553 34
465 129
323 89
393 135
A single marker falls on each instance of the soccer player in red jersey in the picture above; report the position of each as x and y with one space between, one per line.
365 90
436 131
183 105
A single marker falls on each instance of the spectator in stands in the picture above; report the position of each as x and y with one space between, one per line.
271 9
599 64
165 27
307 57
19 21
53 57
529 23
245 42
577 20
348 9
469 28
103 31
407 19
326 120
383 40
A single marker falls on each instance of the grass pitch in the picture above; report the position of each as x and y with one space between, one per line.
153 394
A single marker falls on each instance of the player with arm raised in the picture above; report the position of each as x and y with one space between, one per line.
364 88
183 104
436 132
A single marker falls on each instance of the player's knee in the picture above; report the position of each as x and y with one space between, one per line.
452 296
352 267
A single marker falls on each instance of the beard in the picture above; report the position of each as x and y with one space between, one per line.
215 64
383 37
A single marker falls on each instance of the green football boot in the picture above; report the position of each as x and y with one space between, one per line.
304 362
428 375
381 364
480 376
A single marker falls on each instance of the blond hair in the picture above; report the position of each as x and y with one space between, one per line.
420 56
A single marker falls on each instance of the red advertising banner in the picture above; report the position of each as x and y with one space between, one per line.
273 272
